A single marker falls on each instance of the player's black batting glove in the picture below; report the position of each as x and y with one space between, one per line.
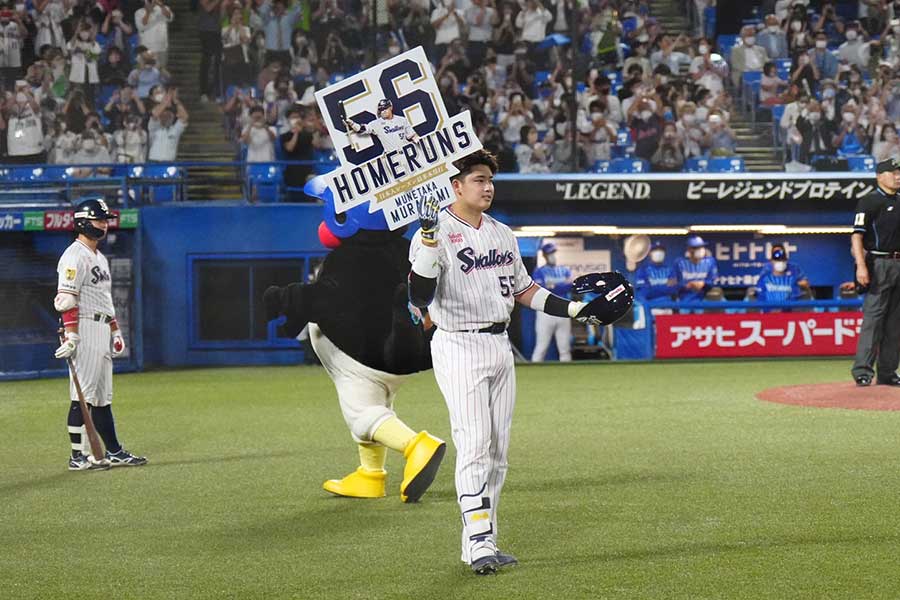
428 209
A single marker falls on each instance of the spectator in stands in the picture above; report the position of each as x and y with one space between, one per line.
872 15
817 134
669 55
563 160
518 116
531 155
707 72
805 74
146 75
479 18
855 51
152 21
824 61
830 23
92 150
24 129
166 126
131 141
303 56
278 24
455 61
600 131
259 138
646 126
521 72
746 56
61 145
690 131
48 17
113 70
257 53
851 138
772 39
12 37
669 157
638 57
888 145
268 75
212 37
610 107
85 53
235 41
798 35
335 55
696 272
298 143
890 40
532 23
719 140
279 97
115 28
123 104
606 31
771 85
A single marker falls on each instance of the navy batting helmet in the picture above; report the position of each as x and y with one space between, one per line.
94 209
614 296
383 105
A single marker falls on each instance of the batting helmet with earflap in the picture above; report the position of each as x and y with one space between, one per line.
614 296
94 209
383 105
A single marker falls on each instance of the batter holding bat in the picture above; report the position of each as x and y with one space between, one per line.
91 338
466 268
391 130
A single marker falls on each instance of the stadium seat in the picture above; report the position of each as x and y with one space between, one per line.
750 82
153 172
726 164
695 165
629 165
726 42
862 163
264 181
326 161
600 166
777 113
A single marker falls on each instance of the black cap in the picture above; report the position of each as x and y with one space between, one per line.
887 165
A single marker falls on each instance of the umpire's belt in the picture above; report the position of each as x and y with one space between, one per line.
495 328
878 254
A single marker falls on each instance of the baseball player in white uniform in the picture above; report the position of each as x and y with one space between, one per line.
557 279
466 268
92 337
392 131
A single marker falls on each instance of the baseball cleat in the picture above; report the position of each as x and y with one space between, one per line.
124 458
423 457
81 463
486 565
506 560
863 380
359 484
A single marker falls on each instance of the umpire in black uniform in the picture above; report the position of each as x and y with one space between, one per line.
875 244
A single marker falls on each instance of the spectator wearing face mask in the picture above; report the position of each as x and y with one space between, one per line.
448 22
48 18
646 127
746 56
655 279
131 141
890 39
92 150
531 155
779 280
122 104
690 130
512 121
855 51
24 129
638 57
85 55
298 144
610 105
668 55
824 61
887 145
851 137
259 138
152 21
706 72
772 39
166 127
797 36
12 40
719 139
817 134
61 145
600 132
805 75
697 272
145 76
669 157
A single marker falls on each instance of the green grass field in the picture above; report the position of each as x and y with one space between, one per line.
626 481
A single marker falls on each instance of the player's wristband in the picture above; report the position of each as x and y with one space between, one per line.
70 317
427 262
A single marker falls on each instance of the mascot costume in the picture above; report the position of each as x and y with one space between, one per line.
369 341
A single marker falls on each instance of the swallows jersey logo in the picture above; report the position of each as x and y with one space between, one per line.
493 259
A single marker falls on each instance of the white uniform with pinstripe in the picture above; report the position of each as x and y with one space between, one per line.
85 273
481 272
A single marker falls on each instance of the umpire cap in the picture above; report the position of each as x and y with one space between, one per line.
887 165
94 209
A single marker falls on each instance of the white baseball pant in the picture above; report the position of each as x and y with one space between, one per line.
546 327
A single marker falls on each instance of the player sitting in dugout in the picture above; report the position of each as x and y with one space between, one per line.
656 279
697 272
780 280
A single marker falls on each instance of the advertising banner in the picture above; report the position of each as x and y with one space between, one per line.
757 335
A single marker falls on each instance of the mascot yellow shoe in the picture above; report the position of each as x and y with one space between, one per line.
359 484
423 457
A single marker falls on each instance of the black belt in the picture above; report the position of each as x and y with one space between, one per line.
891 255
495 328
102 318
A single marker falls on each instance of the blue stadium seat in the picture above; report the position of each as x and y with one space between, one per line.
600 166
264 181
48 173
861 163
726 42
777 113
159 192
325 161
695 165
726 164
629 165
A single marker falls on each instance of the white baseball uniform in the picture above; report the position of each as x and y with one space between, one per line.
557 279
85 273
393 133
481 273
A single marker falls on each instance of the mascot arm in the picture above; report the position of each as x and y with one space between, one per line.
296 301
